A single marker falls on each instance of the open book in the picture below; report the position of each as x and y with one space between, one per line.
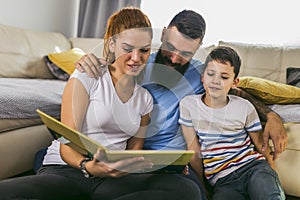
167 161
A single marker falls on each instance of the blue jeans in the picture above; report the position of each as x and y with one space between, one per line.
256 180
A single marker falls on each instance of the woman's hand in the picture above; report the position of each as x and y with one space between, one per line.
101 168
91 65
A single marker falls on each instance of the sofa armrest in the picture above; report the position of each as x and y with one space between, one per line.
22 51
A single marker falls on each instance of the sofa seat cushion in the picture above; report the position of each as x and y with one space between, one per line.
21 97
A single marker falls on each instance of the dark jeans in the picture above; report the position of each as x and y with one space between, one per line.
64 182
257 181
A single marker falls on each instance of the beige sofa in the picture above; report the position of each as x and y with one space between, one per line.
21 56
25 76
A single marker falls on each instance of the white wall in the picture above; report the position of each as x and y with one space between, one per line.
42 15
252 21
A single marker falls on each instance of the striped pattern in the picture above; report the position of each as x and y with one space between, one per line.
225 143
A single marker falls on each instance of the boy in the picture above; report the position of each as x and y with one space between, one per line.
222 129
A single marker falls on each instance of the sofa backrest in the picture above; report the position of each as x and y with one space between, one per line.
266 61
21 51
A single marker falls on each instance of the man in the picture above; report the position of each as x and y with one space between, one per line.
171 74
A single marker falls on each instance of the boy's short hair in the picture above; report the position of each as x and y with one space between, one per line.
224 54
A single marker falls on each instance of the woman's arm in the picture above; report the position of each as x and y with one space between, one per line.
137 141
74 104
273 127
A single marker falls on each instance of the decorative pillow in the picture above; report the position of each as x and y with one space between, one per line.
63 63
55 70
293 76
270 92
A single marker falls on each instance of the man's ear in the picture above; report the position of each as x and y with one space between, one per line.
235 82
111 45
163 34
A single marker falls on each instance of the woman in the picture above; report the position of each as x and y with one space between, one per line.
113 110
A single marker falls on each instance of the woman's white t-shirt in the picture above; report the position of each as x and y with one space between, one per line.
108 120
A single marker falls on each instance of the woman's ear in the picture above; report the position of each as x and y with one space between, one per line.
111 45
235 83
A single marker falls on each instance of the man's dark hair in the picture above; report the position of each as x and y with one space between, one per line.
189 23
223 55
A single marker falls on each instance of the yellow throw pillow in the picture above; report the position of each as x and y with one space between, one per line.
66 60
270 92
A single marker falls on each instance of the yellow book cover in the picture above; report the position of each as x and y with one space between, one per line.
88 146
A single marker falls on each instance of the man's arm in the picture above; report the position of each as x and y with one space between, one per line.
273 125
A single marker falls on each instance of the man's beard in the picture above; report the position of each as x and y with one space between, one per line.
165 75
164 60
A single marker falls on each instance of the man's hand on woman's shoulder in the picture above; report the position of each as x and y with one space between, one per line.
91 65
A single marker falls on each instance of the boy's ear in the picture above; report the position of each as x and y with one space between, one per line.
235 82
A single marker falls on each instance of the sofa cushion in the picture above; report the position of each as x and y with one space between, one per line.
22 51
66 60
13 124
62 65
202 52
89 45
270 92
266 61
55 70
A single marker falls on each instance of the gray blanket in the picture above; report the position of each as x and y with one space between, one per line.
19 98
288 112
